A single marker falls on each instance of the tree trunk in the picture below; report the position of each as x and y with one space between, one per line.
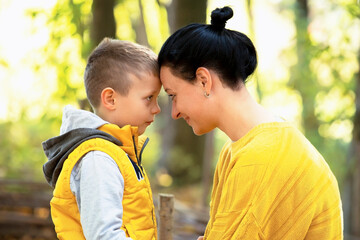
139 27
184 12
178 136
103 24
303 80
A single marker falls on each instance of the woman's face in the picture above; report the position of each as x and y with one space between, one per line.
188 101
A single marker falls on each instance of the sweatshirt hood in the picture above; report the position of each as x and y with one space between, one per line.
77 127
75 118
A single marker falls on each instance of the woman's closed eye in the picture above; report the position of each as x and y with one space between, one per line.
171 96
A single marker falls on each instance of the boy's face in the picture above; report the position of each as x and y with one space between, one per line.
140 105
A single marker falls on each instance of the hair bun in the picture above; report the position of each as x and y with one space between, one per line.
219 16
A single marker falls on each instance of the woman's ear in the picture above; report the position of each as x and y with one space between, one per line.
108 98
203 77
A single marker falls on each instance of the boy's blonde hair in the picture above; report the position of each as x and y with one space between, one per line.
112 63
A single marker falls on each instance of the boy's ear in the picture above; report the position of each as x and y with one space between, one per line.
108 98
203 77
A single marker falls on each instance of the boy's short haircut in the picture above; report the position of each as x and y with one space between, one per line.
112 63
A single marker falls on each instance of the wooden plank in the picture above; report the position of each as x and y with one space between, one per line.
166 210
14 218
26 232
14 224
33 200
25 185
25 210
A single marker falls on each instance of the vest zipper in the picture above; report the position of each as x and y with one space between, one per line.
142 149
145 178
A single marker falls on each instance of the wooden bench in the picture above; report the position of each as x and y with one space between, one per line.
25 210
25 214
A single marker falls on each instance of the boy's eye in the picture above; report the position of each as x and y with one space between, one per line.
171 96
149 98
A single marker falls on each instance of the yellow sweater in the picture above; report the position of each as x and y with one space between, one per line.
273 184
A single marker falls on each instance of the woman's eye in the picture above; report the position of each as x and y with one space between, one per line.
171 96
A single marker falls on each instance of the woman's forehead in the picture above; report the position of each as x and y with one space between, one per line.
166 77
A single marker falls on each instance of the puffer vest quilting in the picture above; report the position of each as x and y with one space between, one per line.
139 221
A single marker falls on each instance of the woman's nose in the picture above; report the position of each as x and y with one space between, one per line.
175 114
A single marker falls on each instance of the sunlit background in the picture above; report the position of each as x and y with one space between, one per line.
28 80
307 72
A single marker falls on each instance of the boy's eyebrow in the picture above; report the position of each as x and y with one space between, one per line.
152 92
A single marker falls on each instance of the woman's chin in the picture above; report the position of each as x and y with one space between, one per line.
199 132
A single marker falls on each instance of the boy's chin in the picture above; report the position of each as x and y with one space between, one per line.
141 130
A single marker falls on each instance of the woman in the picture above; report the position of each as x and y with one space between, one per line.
270 182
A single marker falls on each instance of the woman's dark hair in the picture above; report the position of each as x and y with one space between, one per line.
231 54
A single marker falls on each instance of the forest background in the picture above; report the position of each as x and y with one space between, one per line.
308 73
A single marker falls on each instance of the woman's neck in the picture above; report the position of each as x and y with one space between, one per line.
241 113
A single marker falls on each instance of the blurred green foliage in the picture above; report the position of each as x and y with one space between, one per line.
317 84
20 141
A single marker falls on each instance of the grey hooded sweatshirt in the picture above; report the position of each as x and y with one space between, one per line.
96 180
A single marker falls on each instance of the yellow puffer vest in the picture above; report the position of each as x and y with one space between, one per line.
139 220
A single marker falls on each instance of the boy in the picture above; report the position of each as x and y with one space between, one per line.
101 189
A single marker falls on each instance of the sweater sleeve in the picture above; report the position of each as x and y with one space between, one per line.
98 185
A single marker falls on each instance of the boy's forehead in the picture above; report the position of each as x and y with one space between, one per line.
145 81
144 76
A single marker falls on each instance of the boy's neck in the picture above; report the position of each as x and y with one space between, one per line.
102 114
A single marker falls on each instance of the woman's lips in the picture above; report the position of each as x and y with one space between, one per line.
187 120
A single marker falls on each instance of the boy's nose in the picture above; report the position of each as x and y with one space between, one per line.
156 109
